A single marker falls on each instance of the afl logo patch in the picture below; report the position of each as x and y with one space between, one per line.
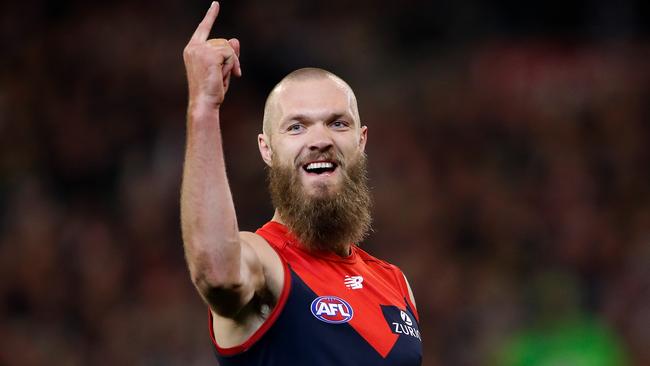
331 309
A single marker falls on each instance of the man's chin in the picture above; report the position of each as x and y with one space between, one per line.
316 186
321 189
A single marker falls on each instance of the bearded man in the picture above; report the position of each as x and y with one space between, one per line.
298 291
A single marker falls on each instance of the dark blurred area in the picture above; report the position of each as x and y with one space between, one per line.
509 159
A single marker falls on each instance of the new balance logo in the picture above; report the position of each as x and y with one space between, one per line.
353 282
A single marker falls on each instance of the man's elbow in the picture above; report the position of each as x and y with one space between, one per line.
211 263
209 273
225 297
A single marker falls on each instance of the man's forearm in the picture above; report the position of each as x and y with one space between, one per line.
210 233
209 224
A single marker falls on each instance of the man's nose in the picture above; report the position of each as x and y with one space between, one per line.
320 140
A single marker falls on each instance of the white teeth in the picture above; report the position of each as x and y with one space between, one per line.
319 165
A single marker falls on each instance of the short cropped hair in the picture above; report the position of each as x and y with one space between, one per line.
307 73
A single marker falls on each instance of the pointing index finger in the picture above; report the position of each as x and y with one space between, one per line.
203 30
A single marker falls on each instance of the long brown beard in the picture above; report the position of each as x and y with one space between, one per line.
329 221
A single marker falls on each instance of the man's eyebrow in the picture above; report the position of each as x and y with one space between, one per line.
296 117
303 117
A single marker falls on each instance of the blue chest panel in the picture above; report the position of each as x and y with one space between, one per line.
298 337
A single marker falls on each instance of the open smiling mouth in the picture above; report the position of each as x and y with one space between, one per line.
320 167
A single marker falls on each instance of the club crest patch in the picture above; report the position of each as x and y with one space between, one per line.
331 309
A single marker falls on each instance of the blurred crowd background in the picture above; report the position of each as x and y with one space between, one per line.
509 161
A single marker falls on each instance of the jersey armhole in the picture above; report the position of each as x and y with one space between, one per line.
405 291
286 287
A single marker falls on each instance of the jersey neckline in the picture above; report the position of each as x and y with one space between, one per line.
291 240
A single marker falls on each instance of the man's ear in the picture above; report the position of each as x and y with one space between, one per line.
264 144
363 138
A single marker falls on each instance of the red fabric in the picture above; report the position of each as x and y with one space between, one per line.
325 272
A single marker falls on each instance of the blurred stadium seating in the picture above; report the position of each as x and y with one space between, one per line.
509 151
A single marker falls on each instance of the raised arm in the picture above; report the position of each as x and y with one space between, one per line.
223 267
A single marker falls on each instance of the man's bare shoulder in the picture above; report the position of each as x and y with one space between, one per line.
268 257
253 239
259 245
232 332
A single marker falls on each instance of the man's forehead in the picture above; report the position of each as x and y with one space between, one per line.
311 88
303 96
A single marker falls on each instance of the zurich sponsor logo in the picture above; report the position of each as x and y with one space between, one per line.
405 318
406 326
331 309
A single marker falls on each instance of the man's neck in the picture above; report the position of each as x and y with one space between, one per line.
276 218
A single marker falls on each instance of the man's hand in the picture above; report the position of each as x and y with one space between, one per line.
210 62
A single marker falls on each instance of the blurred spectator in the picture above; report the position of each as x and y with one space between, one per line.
507 141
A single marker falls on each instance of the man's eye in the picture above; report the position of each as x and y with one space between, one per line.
295 128
339 124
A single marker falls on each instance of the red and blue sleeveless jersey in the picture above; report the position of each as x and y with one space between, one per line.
332 311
